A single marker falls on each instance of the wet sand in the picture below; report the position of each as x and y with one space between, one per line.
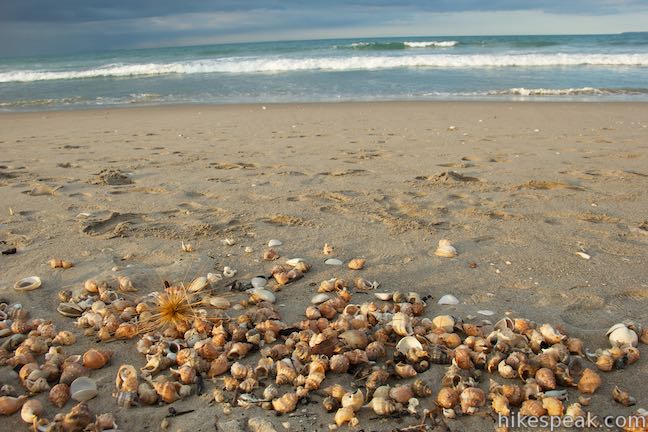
519 189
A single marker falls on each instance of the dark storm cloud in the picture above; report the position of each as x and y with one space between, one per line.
42 26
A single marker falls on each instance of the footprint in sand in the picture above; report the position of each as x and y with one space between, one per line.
115 225
582 309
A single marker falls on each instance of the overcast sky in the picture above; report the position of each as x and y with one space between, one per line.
51 26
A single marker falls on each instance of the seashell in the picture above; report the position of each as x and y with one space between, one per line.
333 262
31 410
445 322
401 324
500 405
316 374
320 298
83 389
219 303
401 393
10 405
270 255
365 285
96 359
105 421
445 249
357 264
187 247
336 391
575 411
421 388
72 371
376 379
238 371
56 263
404 370
532 408
486 312
448 299
553 406
375 350
354 400
256 424
286 373
546 378
330 404
274 242
125 284
354 339
623 397
229 272
238 350
471 399
36 384
147 394
218 366
64 337
384 296
632 354
589 382
127 384
28 284
605 362
621 335
462 357
346 415
248 385
575 346
382 406
339 363
258 295
513 393
286 403
167 390
198 284
259 282
327 249
583 255
551 335
643 337
506 371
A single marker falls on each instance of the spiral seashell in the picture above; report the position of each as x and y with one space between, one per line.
64 337
238 350
376 379
404 370
401 393
78 418
546 378
346 415
185 374
354 339
551 335
316 374
167 390
382 406
339 364
553 406
506 371
421 388
575 411
532 408
147 394
286 373
471 399
286 403
357 264
72 371
445 249
270 255
96 359
500 405
31 410
589 382
10 405
36 384
125 284
357 356
126 331
354 400
462 357
238 371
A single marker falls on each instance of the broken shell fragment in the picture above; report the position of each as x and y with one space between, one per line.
445 249
31 411
28 284
623 397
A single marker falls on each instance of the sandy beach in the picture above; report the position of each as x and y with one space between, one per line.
518 188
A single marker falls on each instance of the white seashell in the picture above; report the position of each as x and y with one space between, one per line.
219 302
486 312
401 324
445 322
294 261
229 272
583 255
333 261
248 249
262 294
259 282
83 389
407 343
228 242
28 284
214 277
320 298
187 247
445 249
384 296
198 284
621 335
448 299
274 242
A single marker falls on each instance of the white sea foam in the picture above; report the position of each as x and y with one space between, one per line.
279 65
431 44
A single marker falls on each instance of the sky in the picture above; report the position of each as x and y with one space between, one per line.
31 27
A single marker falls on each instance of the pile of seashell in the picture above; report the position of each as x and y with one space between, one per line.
190 335
34 348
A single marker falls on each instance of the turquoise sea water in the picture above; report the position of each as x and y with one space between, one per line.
591 67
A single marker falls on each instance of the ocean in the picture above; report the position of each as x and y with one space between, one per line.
570 68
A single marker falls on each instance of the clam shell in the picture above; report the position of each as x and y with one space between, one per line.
259 282
486 312
274 242
262 294
83 389
407 343
198 284
70 309
448 299
383 296
333 261
28 283
320 298
445 249
620 334
219 302
294 261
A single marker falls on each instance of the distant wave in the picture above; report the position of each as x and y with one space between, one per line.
582 91
248 65
386 46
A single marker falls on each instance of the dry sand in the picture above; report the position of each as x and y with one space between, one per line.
519 188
